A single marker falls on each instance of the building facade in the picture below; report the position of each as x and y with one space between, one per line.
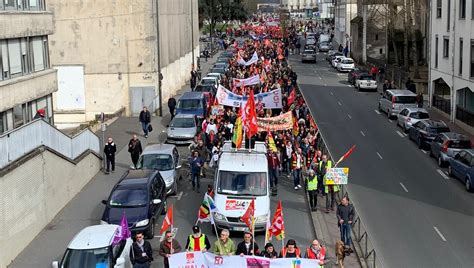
107 55
27 81
344 12
451 73
301 5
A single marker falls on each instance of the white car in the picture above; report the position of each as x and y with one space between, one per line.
336 60
216 75
210 80
92 247
345 65
409 116
366 82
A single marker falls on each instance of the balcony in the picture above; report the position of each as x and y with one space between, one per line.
25 23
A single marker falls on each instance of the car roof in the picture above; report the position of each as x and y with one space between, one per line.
401 92
415 109
455 136
162 148
95 236
211 74
433 123
191 95
137 177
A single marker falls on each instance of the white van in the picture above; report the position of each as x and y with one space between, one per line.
241 177
324 38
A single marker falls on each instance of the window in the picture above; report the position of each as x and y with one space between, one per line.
14 55
449 16
446 47
3 122
38 54
439 9
436 52
10 4
462 9
460 55
472 59
22 5
18 118
376 37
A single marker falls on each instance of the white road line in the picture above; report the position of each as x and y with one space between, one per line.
400 134
349 85
439 233
180 195
348 115
362 133
379 155
340 104
390 120
442 174
332 93
404 134
325 85
320 78
423 151
403 186
377 111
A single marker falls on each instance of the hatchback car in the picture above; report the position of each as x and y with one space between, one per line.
354 73
448 144
425 131
331 54
140 195
324 46
336 60
92 247
365 82
182 129
164 158
409 116
218 70
461 166
345 65
308 55
210 80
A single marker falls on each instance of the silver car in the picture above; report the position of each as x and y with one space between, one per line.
395 100
164 158
308 55
182 129
324 46
409 116
446 145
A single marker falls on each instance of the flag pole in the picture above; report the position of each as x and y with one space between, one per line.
253 235
172 222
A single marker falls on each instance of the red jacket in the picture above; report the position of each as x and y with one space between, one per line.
311 255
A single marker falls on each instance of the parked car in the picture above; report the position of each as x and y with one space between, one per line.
218 70
392 101
308 55
336 60
92 247
332 53
461 166
216 75
324 46
345 65
210 80
222 59
425 131
354 73
140 195
409 116
195 103
448 144
221 65
365 82
182 129
310 40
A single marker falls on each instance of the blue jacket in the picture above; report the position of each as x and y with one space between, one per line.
196 164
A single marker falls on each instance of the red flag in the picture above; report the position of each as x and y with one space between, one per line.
277 227
346 155
248 216
292 97
250 118
168 221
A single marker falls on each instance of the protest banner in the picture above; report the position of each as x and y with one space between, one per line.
204 260
253 80
336 176
281 122
217 110
251 61
269 100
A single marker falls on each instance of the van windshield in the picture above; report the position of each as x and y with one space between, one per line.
405 99
242 183
86 258
190 104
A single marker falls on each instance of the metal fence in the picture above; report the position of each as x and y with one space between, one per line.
21 141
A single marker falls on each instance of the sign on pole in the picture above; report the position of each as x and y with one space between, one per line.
336 176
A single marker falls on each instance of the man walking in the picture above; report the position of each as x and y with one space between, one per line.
324 164
145 119
172 106
345 216
193 80
197 241
135 149
274 165
109 150
312 188
141 253
196 164
168 247
296 165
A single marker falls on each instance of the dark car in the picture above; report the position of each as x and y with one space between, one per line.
461 166
354 73
425 131
448 144
218 70
332 54
140 195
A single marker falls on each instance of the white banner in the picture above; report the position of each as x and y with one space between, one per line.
253 80
252 60
208 260
269 100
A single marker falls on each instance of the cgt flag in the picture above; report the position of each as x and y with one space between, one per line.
346 155
168 221
277 227
248 217
250 119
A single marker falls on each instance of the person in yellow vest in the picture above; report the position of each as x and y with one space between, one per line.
312 188
197 241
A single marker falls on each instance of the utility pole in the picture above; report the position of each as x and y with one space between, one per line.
364 33
158 57
192 30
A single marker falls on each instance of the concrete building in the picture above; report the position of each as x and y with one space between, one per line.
452 60
301 5
106 54
326 9
26 79
344 12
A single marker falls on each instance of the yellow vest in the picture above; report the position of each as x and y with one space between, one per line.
312 183
202 242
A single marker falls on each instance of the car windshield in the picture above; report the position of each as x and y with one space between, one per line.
308 52
86 258
161 162
182 122
405 99
366 78
208 81
420 115
324 44
189 104
460 144
242 183
129 197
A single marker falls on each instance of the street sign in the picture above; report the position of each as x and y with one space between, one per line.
336 176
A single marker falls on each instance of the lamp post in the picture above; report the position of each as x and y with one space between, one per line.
192 30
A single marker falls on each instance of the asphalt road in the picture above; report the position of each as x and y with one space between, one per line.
414 213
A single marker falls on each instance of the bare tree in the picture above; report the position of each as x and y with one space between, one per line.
415 26
406 32
392 16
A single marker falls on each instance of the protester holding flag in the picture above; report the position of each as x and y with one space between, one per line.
141 253
224 246
168 246
197 241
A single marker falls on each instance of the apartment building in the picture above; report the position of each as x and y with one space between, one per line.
26 79
344 12
452 60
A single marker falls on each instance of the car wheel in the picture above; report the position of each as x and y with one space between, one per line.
175 191
388 114
165 208
450 171
380 108
468 185
405 128
419 142
151 230
440 160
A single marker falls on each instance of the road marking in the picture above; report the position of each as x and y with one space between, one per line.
349 85
379 155
320 78
340 104
442 174
348 115
180 195
403 186
362 133
439 233
332 93
377 112
400 134
423 151
325 85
